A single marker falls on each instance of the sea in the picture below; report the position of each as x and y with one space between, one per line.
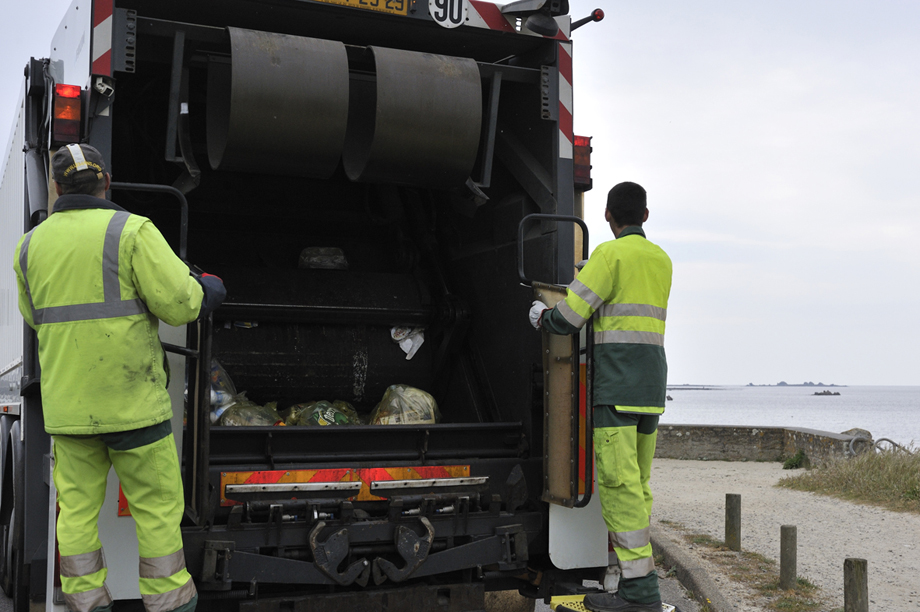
886 412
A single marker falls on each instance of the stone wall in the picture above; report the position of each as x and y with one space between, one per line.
737 443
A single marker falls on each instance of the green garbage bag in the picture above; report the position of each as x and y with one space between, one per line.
323 413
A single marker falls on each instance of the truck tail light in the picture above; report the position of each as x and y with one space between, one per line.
67 114
582 163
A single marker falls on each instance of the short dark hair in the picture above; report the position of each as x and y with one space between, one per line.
626 203
92 188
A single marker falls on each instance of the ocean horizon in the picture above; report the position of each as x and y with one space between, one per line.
891 412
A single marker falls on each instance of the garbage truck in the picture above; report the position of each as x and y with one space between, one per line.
383 186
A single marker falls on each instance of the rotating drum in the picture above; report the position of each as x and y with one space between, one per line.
279 106
418 124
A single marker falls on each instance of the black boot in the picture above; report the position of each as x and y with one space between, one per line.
612 602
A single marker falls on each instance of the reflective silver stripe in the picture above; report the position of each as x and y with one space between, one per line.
24 266
88 600
630 539
162 567
625 336
87 312
113 306
570 315
77 153
110 281
75 566
166 602
638 568
581 290
633 310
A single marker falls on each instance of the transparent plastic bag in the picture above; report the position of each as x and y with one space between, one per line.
323 413
222 388
405 405
244 412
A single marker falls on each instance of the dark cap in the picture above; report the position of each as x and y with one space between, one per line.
77 163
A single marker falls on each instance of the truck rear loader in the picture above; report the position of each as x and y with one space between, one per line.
348 168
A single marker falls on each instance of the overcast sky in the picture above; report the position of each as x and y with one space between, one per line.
779 142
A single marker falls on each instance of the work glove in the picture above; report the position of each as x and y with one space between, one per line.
612 578
536 313
214 292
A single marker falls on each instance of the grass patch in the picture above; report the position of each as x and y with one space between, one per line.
795 461
888 479
759 573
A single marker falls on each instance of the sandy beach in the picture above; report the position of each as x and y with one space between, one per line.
692 494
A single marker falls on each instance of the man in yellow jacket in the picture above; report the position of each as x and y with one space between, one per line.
625 287
94 281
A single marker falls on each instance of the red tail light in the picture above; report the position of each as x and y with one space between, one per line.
582 163
65 127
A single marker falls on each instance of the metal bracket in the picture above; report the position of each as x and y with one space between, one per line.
514 546
124 41
330 553
412 548
215 566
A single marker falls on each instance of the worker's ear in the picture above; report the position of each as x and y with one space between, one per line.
645 216
108 181
58 189
607 216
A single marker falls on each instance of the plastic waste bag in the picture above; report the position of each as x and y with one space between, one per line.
323 413
244 412
405 405
223 391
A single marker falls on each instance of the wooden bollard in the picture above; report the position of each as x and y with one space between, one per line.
733 521
855 585
787 557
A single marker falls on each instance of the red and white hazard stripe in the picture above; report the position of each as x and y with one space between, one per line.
102 37
488 15
566 127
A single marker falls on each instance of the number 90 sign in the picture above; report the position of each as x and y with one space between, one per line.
448 13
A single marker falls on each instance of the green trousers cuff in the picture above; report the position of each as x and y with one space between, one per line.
642 590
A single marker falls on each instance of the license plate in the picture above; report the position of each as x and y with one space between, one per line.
394 7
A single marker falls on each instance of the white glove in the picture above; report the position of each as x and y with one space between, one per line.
536 311
612 578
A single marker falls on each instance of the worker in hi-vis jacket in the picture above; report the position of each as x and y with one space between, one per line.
94 281
624 286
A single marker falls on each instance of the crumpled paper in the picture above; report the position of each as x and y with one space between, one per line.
410 339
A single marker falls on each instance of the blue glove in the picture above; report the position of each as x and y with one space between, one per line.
214 293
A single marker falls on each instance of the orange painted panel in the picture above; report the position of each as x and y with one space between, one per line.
365 475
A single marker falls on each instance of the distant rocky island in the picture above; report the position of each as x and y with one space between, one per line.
783 383
827 392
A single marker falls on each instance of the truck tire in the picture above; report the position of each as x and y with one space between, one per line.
14 570
509 601
6 502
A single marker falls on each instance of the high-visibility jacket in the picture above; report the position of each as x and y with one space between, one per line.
93 280
625 286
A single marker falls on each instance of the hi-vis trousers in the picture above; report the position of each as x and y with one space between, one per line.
624 462
151 481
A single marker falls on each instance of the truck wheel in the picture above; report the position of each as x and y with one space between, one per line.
6 496
15 571
5 578
509 601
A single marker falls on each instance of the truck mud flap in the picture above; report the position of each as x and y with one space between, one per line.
444 598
